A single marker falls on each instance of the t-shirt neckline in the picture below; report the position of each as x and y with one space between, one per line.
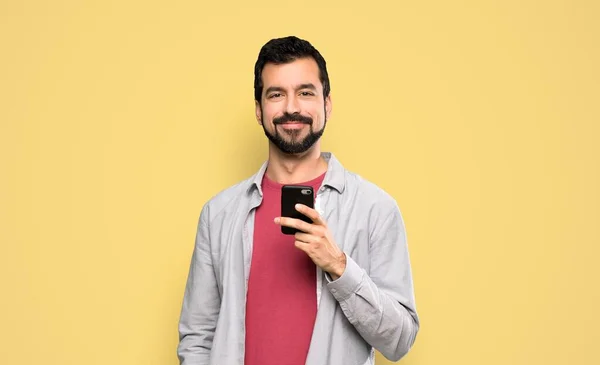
273 185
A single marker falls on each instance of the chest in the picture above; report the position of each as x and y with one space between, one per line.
232 239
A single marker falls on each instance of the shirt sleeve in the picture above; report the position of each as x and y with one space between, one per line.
201 302
381 304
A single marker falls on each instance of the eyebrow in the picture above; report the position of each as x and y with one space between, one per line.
299 87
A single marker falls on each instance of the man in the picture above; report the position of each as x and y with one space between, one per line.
331 293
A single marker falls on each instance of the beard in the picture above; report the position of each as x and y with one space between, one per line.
295 145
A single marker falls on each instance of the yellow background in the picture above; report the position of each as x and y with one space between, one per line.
120 119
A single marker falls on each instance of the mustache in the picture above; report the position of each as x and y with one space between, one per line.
296 117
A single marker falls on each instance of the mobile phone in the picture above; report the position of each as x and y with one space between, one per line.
292 195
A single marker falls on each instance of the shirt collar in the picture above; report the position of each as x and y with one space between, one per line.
334 177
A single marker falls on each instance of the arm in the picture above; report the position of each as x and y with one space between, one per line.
381 304
201 302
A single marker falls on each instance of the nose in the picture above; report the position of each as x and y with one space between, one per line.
292 106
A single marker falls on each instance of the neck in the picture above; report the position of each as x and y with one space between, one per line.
294 169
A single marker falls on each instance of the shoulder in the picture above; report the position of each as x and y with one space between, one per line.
229 197
368 194
376 206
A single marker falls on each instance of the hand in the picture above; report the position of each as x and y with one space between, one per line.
316 241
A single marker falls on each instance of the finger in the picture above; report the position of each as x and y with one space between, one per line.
305 237
310 213
302 245
294 223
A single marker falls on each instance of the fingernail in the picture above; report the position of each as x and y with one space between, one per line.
297 206
276 220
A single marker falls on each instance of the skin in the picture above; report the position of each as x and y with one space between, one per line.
295 87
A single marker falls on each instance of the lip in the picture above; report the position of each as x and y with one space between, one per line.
292 125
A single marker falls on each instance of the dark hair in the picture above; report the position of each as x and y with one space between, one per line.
286 50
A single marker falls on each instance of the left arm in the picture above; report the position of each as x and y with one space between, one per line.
381 304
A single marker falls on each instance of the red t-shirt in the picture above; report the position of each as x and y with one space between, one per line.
281 303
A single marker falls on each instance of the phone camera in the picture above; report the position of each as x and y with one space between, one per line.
306 191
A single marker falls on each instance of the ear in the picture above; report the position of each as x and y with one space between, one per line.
258 112
328 106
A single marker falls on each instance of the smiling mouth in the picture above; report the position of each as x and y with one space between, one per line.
293 124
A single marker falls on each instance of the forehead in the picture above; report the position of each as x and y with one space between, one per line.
297 72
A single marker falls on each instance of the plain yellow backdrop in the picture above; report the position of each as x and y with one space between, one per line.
120 119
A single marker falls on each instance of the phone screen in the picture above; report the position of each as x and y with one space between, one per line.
292 195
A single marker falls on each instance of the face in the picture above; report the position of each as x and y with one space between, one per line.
293 111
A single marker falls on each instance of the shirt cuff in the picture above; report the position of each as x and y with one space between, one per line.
348 283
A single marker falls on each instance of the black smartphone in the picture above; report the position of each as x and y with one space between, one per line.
292 195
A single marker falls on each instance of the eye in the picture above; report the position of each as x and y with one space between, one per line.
274 95
306 93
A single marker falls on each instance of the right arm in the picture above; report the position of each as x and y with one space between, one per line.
201 302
